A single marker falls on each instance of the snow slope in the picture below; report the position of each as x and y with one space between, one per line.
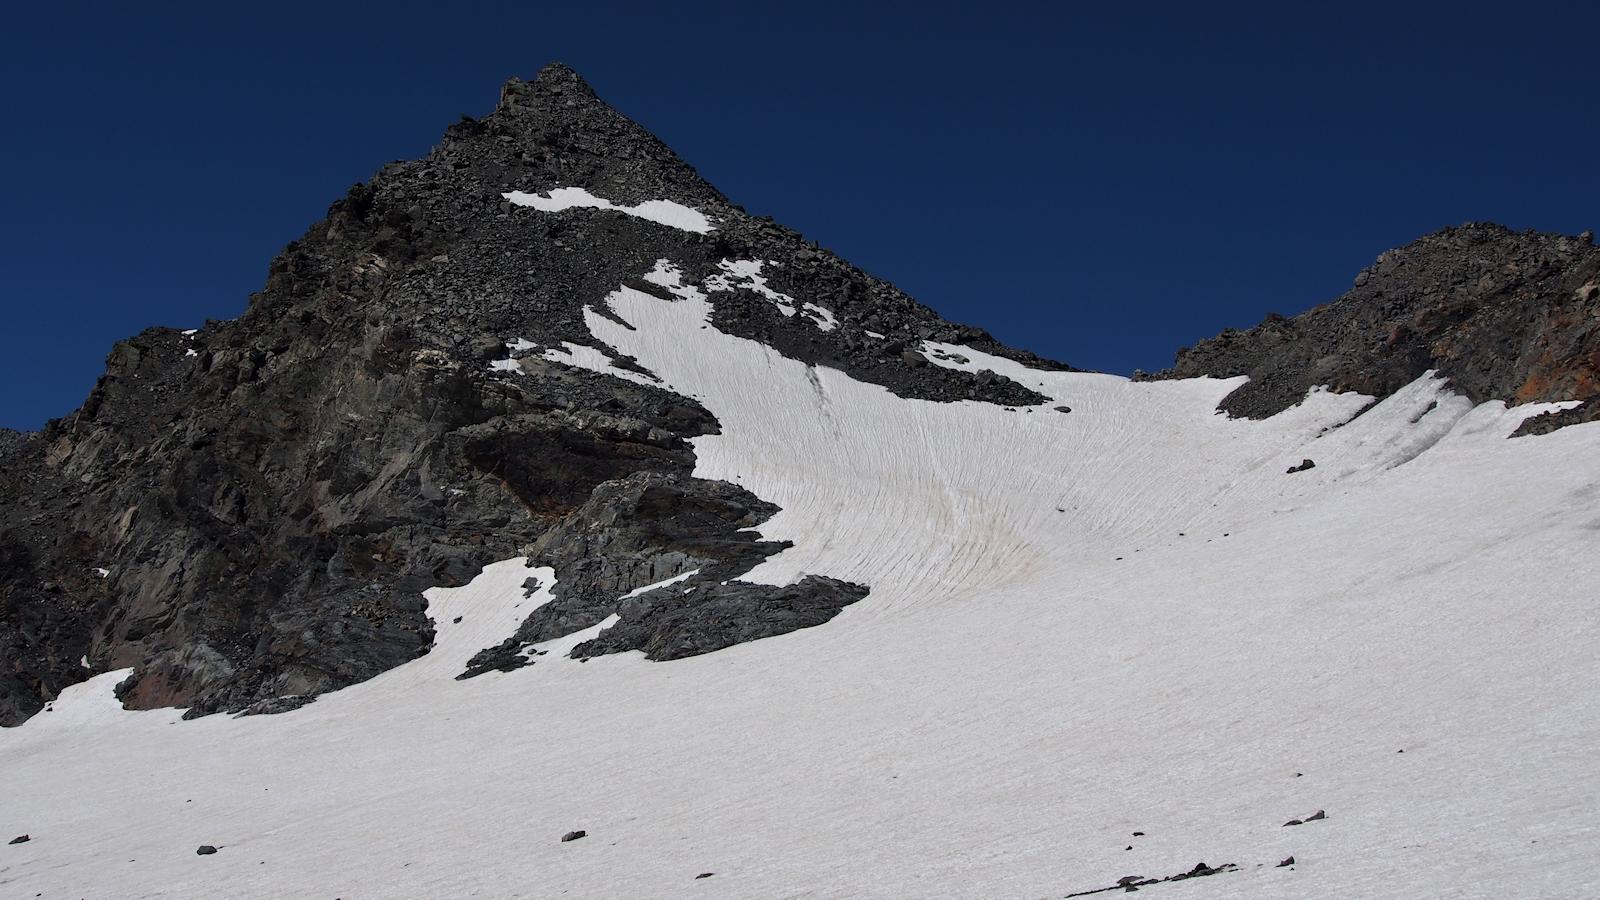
1124 618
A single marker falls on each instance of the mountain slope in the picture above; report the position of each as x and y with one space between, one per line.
1077 628
267 497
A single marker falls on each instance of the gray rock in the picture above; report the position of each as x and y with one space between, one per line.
1497 312
675 621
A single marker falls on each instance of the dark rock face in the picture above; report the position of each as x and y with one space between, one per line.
269 497
12 441
631 533
1544 423
673 622
1505 315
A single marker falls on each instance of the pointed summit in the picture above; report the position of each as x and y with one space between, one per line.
557 79
562 134
558 76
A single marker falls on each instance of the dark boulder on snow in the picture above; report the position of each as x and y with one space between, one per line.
573 835
20 839
275 705
205 850
1303 466
1135 882
678 621
1289 861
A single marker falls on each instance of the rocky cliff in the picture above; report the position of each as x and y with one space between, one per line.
1505 315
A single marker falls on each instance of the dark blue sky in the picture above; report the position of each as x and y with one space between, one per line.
1099 186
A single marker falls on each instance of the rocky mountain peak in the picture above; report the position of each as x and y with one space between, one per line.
555 131
246 514
1505 315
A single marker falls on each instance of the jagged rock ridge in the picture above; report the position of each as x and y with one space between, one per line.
1505 315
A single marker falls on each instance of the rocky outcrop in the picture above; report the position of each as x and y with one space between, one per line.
1505 315
247 515
12 441
630 534
675 621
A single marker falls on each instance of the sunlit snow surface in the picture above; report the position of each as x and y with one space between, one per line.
664 212
1123 618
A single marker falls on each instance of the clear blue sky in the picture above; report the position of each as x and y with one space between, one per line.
1101 187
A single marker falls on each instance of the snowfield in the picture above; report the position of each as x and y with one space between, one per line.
1124 618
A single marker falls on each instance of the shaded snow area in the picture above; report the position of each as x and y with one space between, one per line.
664 212
1126 618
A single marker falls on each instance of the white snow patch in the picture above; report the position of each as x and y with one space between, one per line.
746 273
823 318
660 584
584 357
103 573
664 212
510 364
669 276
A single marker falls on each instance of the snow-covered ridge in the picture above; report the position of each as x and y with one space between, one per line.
664 212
